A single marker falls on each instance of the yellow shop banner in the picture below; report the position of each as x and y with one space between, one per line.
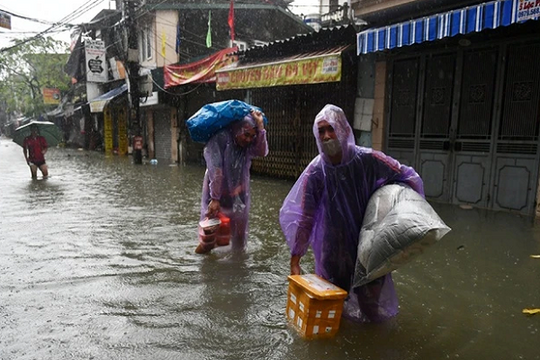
312 70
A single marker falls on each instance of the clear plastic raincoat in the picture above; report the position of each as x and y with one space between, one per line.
227 175
325 208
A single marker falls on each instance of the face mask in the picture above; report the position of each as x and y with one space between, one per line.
331 147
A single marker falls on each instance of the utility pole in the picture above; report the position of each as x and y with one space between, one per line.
133 76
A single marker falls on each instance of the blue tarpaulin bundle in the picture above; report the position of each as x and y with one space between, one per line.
215 116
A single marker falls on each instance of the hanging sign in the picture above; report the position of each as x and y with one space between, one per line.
108 130
122 132
138 142
296 72
51 96
5 20
96 64
528 9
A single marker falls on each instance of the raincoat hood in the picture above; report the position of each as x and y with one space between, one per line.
337 119
246 122
227 176
325 208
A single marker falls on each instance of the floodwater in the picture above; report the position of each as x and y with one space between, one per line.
98 262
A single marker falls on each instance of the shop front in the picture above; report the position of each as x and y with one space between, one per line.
110 113
292 89
462 102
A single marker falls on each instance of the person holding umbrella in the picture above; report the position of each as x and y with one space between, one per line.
34 149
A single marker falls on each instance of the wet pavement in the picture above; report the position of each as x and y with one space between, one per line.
98 262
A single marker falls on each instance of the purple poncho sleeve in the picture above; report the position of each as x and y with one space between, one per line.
227 179
390 171
213 155
299 211
260 146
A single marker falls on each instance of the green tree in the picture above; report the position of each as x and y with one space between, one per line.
26 68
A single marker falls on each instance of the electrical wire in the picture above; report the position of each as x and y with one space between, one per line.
90 4
247 20
168 45
46 22
309 6
83 9
22 31
25 41
202 37
159 86
14 34
176 94
148 11
193 42
203 14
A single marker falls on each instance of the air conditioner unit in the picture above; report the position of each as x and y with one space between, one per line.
242 45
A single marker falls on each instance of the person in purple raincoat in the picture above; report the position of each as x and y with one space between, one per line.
326 206
228 156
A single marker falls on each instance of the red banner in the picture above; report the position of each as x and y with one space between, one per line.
202 71
230 21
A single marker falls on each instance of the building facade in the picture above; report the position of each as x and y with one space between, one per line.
456 95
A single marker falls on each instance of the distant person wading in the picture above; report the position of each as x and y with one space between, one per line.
34 149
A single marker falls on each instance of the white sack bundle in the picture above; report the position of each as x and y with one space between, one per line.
398 226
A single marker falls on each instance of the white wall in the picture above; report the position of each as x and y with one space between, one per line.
165 27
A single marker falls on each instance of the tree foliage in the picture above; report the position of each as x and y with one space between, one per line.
27 68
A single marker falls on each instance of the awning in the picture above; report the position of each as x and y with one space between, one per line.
306 68
202 71
99 103
56 112
72 67
489 15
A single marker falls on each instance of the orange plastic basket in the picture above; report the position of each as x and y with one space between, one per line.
314 306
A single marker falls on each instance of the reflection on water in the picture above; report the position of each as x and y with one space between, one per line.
98 262
43 192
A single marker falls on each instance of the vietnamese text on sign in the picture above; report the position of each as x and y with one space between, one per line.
528 9
306 71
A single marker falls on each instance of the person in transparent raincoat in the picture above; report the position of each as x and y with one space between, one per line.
325 208
228 156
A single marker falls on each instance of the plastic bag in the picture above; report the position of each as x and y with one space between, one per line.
398 226
215 116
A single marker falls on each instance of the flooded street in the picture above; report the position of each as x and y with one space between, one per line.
98 262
